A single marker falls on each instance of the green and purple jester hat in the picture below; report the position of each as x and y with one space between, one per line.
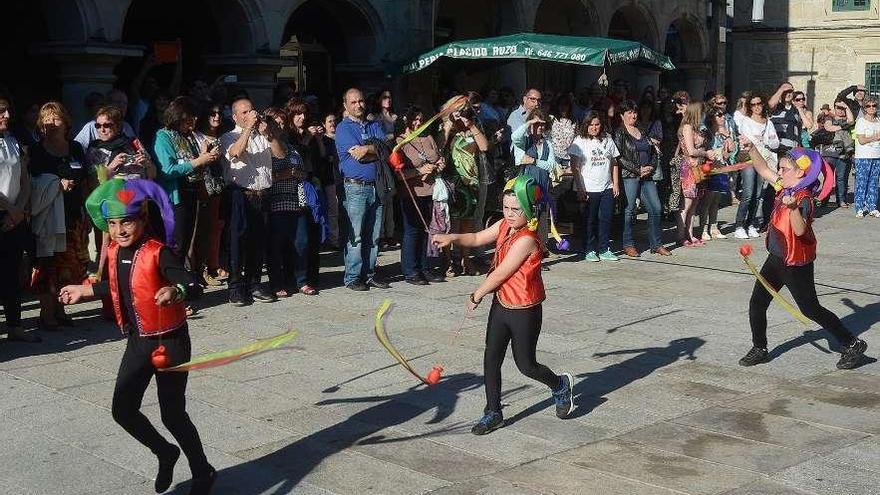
118 198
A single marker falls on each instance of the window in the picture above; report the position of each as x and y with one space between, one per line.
872 78
850 5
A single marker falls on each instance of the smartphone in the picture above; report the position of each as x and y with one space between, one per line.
231 78
212 145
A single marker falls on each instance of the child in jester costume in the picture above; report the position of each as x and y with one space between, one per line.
792 249
515 316
147 284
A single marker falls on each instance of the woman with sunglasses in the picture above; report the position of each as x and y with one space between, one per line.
867 159
799 100
209 128
725 143
786 117
754 125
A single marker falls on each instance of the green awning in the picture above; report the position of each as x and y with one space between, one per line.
578 50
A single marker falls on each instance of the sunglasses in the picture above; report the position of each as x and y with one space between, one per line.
840 108
214 113
3 109
104 126
721 103
757 103
871 105
718 114
800 99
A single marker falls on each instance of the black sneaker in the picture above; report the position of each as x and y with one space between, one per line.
755 356
852 355
166 470
490 422
433 277
563 396
201 485
236 298
378 283
417 280
262 295
358 286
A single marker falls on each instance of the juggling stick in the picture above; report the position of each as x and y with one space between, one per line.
745 250
225 357
379 329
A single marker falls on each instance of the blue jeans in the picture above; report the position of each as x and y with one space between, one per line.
867 176
414 244
646 189
363 221
600 208
841 168
289 256
752 191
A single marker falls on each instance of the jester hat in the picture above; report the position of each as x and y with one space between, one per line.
530 195
811 162
118 198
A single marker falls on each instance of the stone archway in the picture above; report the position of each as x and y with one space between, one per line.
633 21
40 81
687 46
566 17
341 45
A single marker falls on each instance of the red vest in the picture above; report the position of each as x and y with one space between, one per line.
146 278
799 250
524 288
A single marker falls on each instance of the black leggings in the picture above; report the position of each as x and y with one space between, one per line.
135 372
11 249
801 284
521 328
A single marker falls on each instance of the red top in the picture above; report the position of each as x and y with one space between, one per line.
797 250
145 279
524 288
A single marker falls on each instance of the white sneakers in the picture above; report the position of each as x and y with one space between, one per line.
874 213
740 233
753 232
860 214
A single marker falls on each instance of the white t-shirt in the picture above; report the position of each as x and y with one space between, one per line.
866 128
10 168
594 156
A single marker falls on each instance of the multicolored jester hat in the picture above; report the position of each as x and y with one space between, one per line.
118 198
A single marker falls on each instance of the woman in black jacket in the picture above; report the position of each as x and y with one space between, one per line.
638 158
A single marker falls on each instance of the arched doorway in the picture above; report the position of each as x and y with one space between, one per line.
633 22
25 27
338 45
686 46
566 17
462 20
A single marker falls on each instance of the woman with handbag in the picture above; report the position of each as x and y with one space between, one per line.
638 161
182 169
689 158
209 129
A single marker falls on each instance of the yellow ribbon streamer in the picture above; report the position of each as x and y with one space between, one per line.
793 311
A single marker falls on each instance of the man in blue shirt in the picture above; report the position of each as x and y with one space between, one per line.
358 163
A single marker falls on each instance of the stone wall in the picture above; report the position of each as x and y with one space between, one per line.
819 51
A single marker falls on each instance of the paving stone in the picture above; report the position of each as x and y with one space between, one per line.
808 437
724 449
812 410
766 487
823 476
657 467
63 374
561 478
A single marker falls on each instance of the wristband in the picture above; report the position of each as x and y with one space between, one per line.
181 292
475 302
777 184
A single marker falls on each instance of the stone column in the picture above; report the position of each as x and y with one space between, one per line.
696 78
85 68
256 73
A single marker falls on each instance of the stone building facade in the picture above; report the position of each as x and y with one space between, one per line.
820 46
92 45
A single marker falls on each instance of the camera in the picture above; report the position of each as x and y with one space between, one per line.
212 145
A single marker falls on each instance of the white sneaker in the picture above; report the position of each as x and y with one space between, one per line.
874 213
706 236
740 233
860 214
753 232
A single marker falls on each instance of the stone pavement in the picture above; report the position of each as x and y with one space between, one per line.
662 407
